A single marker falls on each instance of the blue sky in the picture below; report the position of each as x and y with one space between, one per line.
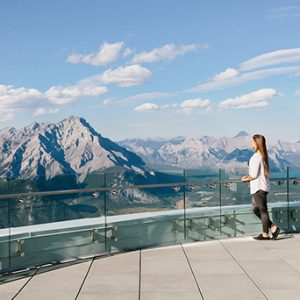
153 68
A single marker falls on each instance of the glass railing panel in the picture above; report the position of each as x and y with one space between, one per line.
278 204
294 199
55 225
236 215
144 217
170 207
4 227
57 199
202 204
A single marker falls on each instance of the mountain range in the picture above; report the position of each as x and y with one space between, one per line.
210 152
72 146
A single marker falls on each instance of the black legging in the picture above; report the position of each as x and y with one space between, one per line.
260 208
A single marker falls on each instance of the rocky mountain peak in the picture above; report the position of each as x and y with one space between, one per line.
242 134
71 146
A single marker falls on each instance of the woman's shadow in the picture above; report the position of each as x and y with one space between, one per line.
285 236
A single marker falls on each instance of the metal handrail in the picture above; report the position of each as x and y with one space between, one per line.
127 187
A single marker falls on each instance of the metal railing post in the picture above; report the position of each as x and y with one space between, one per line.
288 196
184 205
220 201
105 214
9 226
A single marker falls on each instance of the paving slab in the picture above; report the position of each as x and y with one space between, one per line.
265 266
62 284
167 270
115 277
280 294
220 278
10 289
170 295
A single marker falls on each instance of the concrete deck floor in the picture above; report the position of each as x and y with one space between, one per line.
240 268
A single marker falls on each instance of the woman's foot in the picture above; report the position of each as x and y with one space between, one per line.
262 237
275 232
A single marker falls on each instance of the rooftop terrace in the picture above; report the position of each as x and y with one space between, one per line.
237 268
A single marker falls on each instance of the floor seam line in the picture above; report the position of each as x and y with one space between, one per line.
253 281
191 268
22 288
140 274
84 279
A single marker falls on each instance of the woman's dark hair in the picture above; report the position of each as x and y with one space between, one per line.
262 148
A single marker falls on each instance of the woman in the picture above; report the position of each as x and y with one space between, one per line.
259 186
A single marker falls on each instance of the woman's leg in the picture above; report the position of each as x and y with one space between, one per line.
255 208
260 199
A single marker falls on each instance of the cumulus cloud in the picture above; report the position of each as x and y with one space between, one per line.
147 107
92 91
272 58
190 105
67 94
62 95
107 54
45 111
166 52
123 76
13 100
10 96
255 99
152 107
229 73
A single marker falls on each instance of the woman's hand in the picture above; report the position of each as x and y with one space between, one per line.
246 178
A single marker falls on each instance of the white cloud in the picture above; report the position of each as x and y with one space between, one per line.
123 76
229 73
11 97
107 54
127 52
255 99
92 91
153 107
188 106
297 93
242 78
284 12
17 100
62 95
68 94
6 117
255 69
14 100
272 58
167 52
43 111
147 107
142 96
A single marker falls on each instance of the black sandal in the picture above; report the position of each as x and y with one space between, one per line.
275 234
261 237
